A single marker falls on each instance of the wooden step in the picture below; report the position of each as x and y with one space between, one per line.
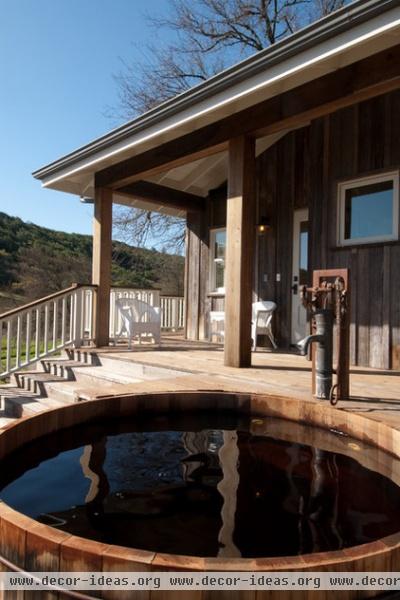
13 395
5 421
92 376
61 367
82 355
130 368
34 381
65 392
17 403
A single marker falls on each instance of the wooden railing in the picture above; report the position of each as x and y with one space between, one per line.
172 312
172 307
150 296
31 332
46 326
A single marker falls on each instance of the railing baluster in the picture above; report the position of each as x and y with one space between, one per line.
63 319
71 317
28 337
182 312
174 315
8 349
46 330
92 296
18 342
77 319
55 323
112 313
91 307
37 336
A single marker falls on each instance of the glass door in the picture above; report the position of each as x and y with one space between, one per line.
300 273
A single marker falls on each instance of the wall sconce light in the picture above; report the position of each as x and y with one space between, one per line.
263 225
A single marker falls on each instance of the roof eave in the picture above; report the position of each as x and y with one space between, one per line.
314 34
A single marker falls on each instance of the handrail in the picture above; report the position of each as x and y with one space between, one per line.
41 328
134 288
23 307
45 326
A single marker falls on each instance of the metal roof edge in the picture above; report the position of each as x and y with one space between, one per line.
337 22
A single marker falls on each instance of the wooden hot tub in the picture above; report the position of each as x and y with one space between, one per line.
32 546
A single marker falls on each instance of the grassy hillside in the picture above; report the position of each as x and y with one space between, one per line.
35 261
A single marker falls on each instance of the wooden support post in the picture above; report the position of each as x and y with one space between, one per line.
196 268
101 274
239 251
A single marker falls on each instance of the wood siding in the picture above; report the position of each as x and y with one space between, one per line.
303 170
282 180
355 142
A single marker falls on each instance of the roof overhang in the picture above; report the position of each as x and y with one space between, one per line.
351 34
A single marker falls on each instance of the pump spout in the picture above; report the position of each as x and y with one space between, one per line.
323 351
304 344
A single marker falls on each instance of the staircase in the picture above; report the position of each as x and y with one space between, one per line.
77 375
46 349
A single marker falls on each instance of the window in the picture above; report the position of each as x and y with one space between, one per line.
303 255
217 267
369 209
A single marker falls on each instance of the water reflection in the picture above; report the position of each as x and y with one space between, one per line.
203 486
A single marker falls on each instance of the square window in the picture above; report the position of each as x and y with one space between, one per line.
369 209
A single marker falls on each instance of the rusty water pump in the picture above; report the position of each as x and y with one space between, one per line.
328 303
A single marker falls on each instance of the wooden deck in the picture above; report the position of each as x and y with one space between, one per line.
200 366
375 392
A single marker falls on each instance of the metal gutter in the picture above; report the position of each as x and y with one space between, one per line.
334 24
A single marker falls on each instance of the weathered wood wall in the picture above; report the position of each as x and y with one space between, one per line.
283 186
199 300
351 143
302 170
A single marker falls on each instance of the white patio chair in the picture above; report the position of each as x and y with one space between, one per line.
138 319
261 321
217 317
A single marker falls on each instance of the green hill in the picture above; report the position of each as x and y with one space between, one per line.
35 261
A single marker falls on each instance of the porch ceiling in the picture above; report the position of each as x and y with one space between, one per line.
356 32
195 178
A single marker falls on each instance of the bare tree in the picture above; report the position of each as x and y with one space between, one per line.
325 7
148 228
207 36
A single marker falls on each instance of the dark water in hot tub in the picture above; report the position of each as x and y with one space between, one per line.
204 484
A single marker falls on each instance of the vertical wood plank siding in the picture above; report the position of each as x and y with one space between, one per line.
361 139
302 170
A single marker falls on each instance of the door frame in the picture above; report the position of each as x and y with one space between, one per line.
299 215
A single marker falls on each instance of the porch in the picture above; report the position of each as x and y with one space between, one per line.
178 365
276 134
280 373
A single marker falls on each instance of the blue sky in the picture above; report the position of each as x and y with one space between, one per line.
57 60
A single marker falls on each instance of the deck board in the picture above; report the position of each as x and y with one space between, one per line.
375 393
